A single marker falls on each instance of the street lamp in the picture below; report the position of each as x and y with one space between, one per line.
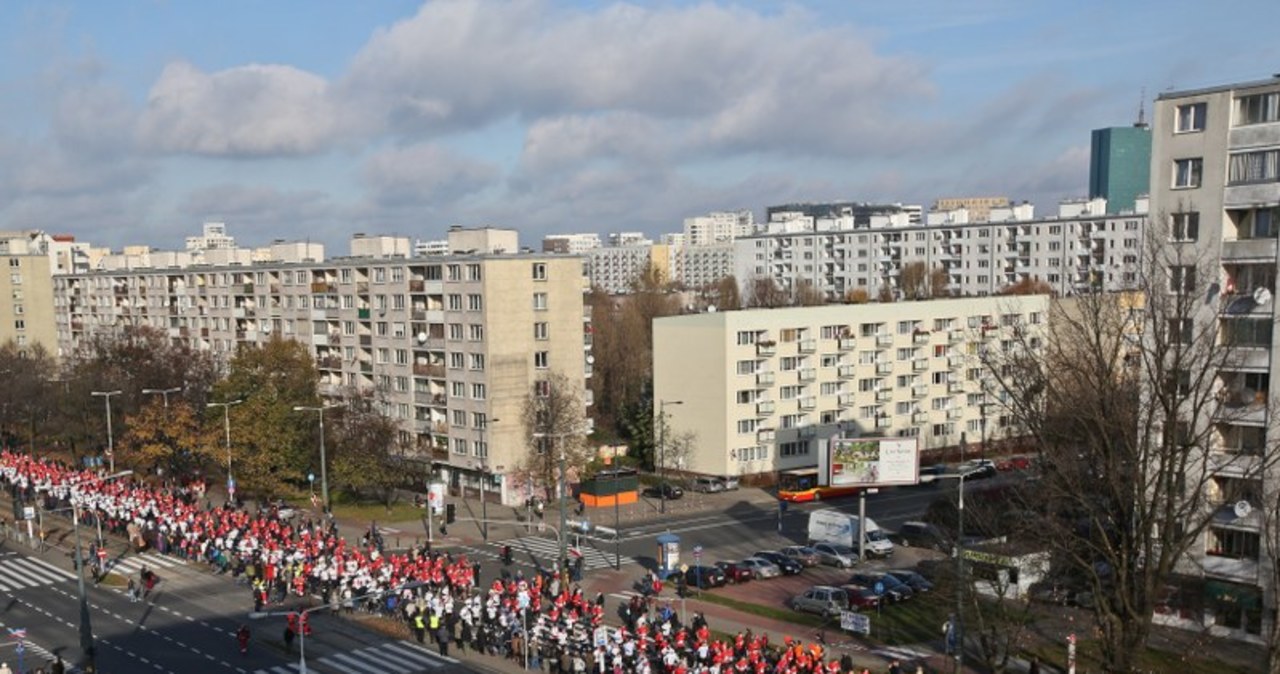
324 470
957 624
86 627
662 451
111 443
484 477
164 392
226 426
564 553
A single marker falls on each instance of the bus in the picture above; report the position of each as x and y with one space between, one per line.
802 485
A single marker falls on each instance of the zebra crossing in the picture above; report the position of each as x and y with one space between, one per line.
132 565
392 657
17 572
548 549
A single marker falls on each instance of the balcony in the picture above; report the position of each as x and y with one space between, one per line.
440 428
416 286
847 343
808 345
1240 570
362 287
322 288
920 337
807 374
766 348
1248 358
919 418
362 314
329 363
847 371
766 435
848 400
1235 409
426 370
919 390
955 362
1241 250
366 340
883 369
955 386
920 364
884 395
764 408
884 341
955 335
808 403
954 413
366 367
765 378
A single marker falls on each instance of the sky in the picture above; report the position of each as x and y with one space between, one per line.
134 121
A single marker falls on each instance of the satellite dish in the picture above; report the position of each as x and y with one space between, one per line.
591 359
711 309
266 328
1262 296
1243 508
422 337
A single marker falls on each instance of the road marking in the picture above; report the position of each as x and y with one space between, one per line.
545 548
392 657
23 572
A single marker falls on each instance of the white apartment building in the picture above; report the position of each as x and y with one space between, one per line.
572 244
615 269
759 387
697 267
718 227
452 341
213 235
1081 248
1215 178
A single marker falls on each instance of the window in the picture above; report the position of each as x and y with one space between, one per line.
459 445
475 303
1247 332
539 301
541 332
455 302
746 367
1190 117
1257 109
477 391
477 361
457 360
1186 172
539 271
1180 330
798 448
540 359
1182 278
746 337
746 425
473 272
1254 167
477 333
1185 226
459 418
455 331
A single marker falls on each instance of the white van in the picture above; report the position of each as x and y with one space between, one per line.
832 526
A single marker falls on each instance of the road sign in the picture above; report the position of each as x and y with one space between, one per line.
851 621
102 553
697 552
311 477
28 512
879 587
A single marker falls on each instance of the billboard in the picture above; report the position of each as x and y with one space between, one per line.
872 462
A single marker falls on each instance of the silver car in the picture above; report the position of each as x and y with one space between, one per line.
833 554
823 600
761 568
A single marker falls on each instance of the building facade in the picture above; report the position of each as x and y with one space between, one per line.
455 342
979 208
1215 183
717 227
1120 165
1081 248
757 388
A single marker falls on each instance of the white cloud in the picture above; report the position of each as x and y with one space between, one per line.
248 110
425 173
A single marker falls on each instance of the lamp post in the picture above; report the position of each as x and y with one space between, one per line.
324 470
564 552
164 392
662 451
226 427
958 622
86 626
111 443
484 477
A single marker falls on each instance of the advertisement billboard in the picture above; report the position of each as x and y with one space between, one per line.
873 462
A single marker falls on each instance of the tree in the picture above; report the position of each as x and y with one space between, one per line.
920 282
1132 405
27 399
807 294
885 294
765 293
726 293
363 446
1028 286
857 296
173 439
553 421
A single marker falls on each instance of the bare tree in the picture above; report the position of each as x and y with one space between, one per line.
1128 405
807 294
765 293
726 294
553 418
1027 286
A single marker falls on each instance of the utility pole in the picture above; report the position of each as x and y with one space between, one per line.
484 477
111 443
324 468
226 426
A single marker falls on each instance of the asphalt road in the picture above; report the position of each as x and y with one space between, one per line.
186 626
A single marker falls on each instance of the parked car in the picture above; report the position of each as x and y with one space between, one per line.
894 589
735 572
707 485
929 474
915 581
803 554
664 489
823 600
788 566
832 554
705 577
977 469
761 568
730 482
861 597
1013 463
922 535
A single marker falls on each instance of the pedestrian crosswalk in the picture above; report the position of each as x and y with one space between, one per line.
392 657
18 572
132 565
548 549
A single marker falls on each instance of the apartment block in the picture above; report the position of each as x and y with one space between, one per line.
454 343
1082 248
757 388
1215 183
979 208
717 227
26 292
616 268
571 244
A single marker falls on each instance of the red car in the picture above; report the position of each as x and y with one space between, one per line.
861 597
735 572
1013 463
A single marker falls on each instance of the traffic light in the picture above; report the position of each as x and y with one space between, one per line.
450 513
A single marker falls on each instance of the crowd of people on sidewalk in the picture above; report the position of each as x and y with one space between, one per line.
543 622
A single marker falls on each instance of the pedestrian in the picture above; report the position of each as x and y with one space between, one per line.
1034 668
419 627
133 591
58 667
242 638
895 667
443 638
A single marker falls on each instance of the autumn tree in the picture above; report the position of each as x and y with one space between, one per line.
552 416
857 296
363 446
1132 405
807 294
920 282
727 295
1027 286
173 439
885 294
28 397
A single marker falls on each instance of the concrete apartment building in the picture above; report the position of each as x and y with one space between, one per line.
759 387
1081 248
31 258
1215 178
717 227
979 208
454 342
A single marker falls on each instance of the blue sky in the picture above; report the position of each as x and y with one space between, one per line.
134 121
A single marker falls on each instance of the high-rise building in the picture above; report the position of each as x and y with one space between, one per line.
1215 185
454 341
717 227
1120 165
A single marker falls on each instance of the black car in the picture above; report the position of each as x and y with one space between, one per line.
705 577
922 535
915 581
789 566
894 589
664 490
